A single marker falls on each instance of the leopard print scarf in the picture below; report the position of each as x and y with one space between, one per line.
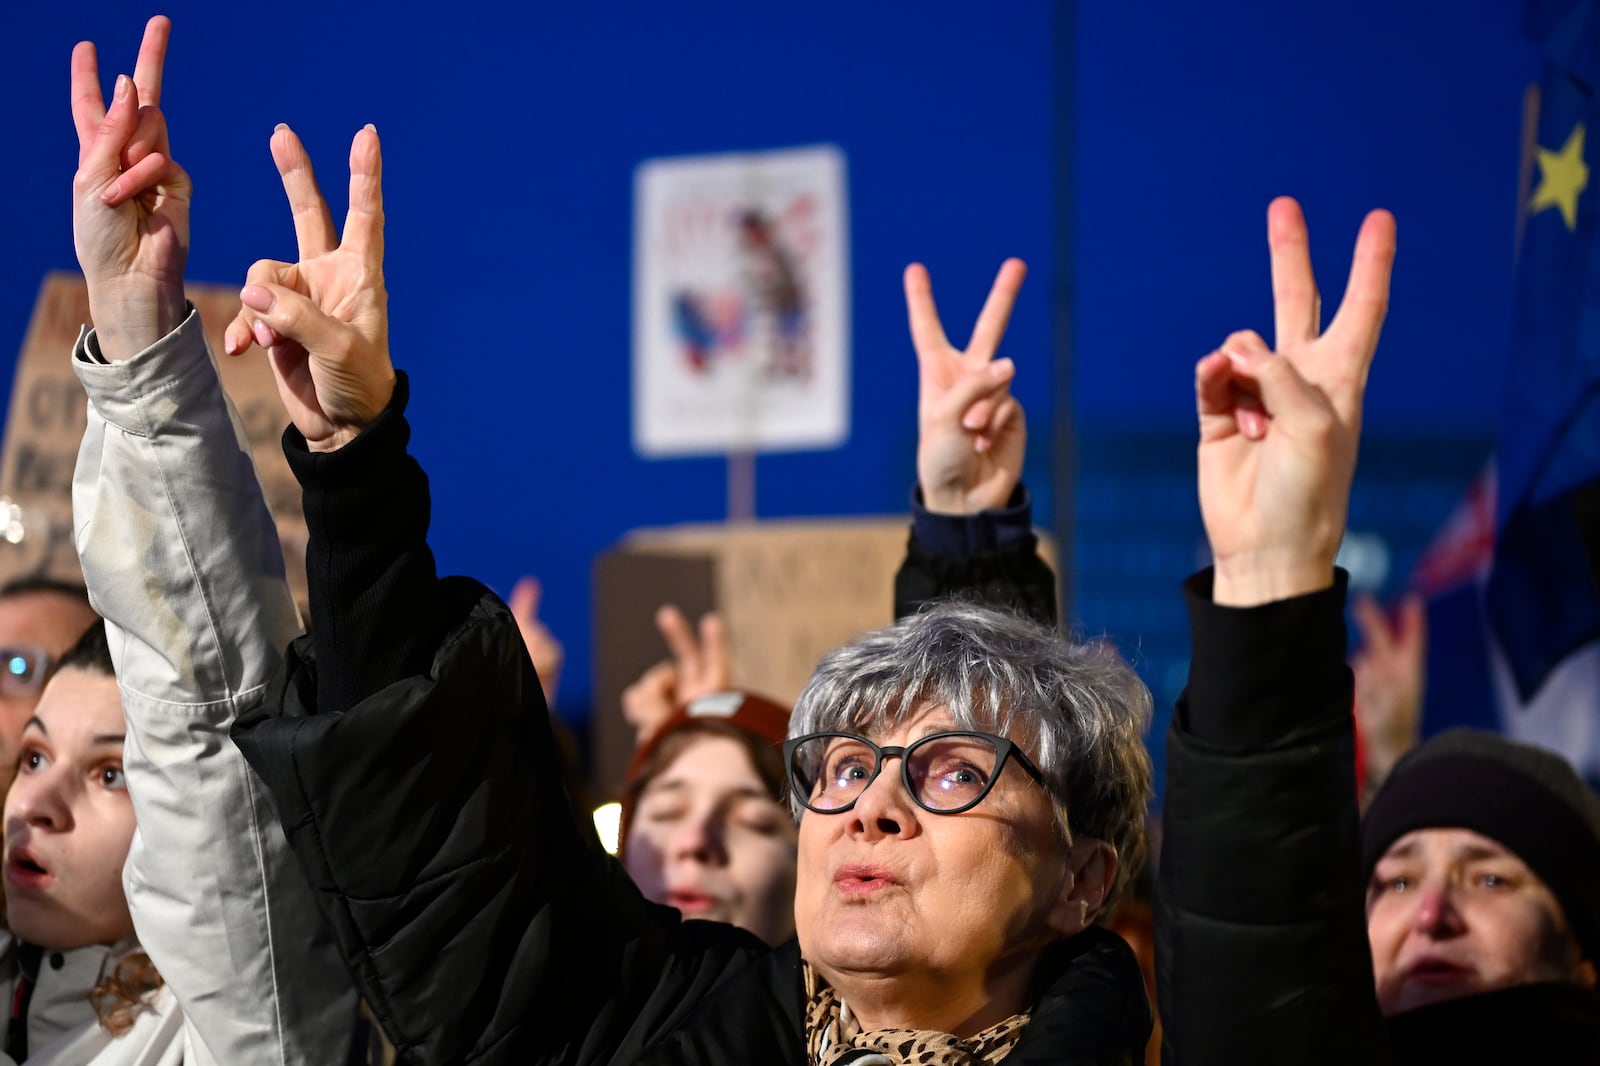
834 1037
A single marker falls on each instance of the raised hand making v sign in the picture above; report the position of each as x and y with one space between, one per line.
324 319
1261 856
182 559
971 433
130 216
972 535
1279 429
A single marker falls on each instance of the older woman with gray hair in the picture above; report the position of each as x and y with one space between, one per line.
945 909
965 679
897 876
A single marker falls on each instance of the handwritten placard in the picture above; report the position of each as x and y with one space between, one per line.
47 418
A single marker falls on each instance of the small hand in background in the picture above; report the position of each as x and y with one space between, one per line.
543 648
698 667
1391 671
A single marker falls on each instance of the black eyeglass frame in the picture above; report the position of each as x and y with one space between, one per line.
1004 750
41 662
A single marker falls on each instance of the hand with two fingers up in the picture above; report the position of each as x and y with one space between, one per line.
130 200
544 649
1391 677
324 320
971 434
699 666
1279 428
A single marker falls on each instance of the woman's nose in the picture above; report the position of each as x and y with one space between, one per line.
39 801
1437 914
884 808
699 836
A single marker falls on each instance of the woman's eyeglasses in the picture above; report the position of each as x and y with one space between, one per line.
944 773
22 670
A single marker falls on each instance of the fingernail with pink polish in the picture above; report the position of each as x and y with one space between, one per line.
256 298
262 334
109 193
124 83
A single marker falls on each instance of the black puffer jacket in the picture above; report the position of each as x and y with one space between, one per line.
409 752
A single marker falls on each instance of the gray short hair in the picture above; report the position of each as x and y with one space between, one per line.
1077 708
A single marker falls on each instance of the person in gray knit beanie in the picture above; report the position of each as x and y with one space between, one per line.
1483 862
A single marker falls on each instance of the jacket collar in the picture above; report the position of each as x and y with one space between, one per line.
1091 1008
1526 1024
62 982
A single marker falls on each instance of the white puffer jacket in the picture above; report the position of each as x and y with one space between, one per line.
183 560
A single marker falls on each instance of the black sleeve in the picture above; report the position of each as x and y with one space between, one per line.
1586 505
1261 935
377 606
990 558
425 802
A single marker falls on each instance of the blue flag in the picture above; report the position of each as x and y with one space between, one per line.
1541 599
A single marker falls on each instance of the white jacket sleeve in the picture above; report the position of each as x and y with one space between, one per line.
182 559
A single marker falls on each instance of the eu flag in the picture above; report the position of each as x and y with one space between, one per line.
1541 599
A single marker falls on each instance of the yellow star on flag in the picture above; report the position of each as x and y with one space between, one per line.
1563 176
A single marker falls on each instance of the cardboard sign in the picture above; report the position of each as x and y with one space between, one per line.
789 593
48 415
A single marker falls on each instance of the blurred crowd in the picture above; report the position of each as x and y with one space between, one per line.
236 835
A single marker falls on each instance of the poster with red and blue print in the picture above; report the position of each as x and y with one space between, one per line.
741 318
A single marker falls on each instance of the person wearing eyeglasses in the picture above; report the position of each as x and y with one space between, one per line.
975 816
40 618
940 861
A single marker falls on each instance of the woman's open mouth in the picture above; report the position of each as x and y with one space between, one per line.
24 871
1435 971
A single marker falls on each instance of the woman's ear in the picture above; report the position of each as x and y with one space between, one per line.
1091 871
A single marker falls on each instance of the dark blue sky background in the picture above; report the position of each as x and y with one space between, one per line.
1127 151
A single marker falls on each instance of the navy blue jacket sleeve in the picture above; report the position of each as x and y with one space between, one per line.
991 557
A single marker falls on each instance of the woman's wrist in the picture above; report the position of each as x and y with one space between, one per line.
1252 581
126 323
